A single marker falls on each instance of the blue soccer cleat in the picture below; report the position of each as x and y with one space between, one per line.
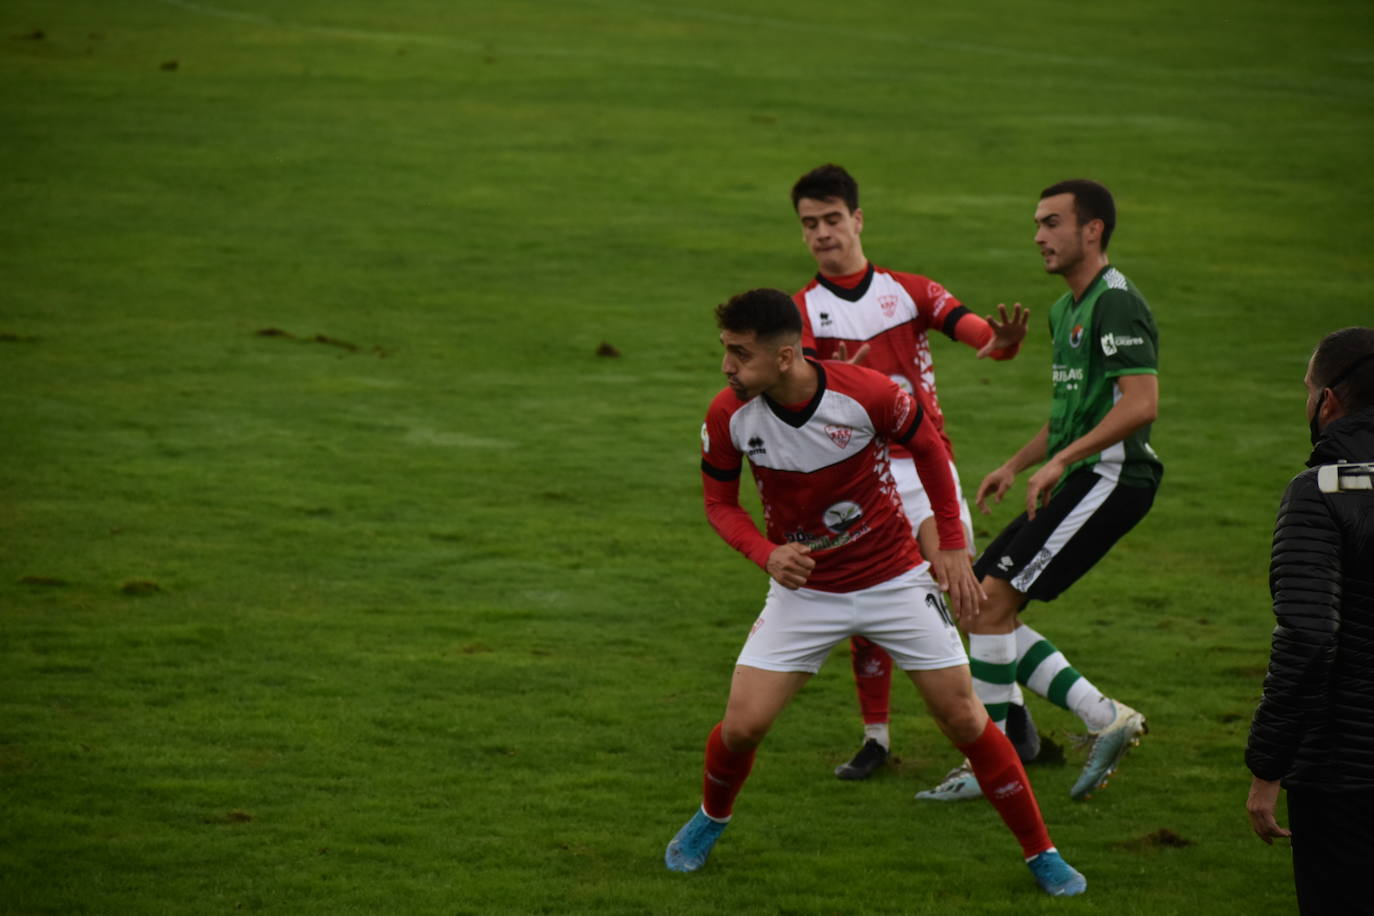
691 846
1055 876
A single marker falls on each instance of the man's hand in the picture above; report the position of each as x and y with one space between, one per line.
997 483
1006 332
954 572
790 565
1264 798
842 354
1041 485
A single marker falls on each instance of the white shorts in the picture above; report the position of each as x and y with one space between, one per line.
917 503
906 615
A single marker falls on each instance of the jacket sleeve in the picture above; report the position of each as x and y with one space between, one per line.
1305 582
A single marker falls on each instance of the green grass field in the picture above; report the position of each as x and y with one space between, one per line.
411 606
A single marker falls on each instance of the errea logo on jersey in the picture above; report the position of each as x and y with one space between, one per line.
756 446
1113 342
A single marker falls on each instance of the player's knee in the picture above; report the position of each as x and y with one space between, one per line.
742 734
960 718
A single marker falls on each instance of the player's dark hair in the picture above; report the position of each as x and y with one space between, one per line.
1344 362
769 313
825 182
1090 201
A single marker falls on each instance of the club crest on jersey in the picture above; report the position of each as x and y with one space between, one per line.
840 435
842 516
1076 337
889 305
756 446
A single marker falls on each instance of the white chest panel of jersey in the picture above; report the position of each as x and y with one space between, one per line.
884 306
838 430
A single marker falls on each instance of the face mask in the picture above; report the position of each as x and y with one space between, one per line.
1312 423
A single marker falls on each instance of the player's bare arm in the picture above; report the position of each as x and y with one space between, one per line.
790 565
1138 406
1000 481
1007 331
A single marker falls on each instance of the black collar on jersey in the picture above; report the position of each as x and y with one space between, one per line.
798 418
849 295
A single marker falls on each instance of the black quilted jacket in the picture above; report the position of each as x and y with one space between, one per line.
1314 728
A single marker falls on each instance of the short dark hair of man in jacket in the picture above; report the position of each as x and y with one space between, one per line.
1313 733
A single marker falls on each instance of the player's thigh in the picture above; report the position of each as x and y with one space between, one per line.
1085 535
796 629
1041 557
908 617
757 697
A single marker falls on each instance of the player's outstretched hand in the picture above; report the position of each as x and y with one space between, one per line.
1006 331
790 565
954 572
997 483
842 354
1041 485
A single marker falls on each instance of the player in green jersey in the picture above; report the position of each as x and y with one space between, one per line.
1097 481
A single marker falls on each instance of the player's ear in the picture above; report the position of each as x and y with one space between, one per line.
1331 407
858 219
787 355
1093 230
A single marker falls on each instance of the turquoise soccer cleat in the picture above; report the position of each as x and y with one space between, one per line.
689 849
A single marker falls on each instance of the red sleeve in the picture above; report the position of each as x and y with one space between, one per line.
721 464
975 331
907 423
808 336
932 466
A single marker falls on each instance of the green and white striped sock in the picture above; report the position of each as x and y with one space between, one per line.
1045 670
992 661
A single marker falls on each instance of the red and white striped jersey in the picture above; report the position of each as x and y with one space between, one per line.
892 313
823 477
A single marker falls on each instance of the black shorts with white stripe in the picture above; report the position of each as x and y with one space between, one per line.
1083 520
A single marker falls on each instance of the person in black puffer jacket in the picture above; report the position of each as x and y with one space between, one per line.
1313 733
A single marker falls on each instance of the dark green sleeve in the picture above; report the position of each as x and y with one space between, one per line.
1126 334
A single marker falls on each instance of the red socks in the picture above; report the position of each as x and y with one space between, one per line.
726 772
1003 781
872 678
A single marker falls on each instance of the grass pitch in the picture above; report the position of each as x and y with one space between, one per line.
338 574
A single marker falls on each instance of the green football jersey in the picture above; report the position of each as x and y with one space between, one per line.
1108 334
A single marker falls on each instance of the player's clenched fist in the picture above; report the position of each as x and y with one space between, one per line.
790 565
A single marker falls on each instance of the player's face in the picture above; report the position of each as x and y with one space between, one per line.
831 233
750 367
1058 234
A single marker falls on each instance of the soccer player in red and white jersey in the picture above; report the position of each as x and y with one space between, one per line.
843 560
882 317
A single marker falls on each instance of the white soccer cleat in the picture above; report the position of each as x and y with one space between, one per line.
957 786
1109 745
